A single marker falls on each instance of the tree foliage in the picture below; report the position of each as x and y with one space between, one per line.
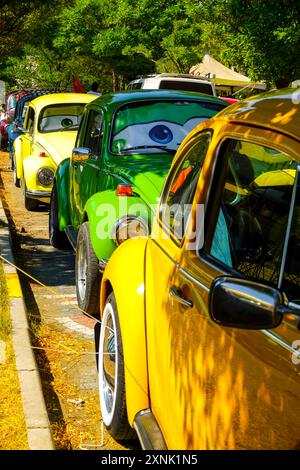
112 41
260 37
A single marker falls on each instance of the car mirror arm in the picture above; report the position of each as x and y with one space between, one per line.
283 309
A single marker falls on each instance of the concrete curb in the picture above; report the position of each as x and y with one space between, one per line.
34 408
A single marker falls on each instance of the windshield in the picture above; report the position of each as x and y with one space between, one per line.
60 117
187 85
153 127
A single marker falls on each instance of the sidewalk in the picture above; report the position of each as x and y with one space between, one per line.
35 412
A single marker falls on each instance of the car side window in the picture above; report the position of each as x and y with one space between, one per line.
253 211
181 186
94 132
291 274
30 120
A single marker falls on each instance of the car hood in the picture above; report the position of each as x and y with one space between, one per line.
59 145
146 173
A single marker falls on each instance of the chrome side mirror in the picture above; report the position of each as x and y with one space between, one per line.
241 303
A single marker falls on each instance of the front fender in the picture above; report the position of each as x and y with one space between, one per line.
124 275
31 165
62 178
103 210
18 158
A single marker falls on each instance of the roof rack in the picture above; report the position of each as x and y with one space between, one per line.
52 89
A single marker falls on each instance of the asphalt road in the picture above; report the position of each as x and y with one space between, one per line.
62 335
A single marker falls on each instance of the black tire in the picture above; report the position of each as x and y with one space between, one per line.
57 238
113 406
87 273
17 182
30 204
11 160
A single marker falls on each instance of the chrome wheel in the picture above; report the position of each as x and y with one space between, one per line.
82 269
108 364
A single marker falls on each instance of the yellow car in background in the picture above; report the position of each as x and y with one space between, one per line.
199 339
48 137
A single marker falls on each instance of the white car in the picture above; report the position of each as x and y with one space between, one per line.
168 81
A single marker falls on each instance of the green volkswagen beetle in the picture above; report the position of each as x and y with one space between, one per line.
108 190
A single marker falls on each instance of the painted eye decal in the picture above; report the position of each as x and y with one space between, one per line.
161 134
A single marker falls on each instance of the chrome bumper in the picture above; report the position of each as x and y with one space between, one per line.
102 264
38 194
148 431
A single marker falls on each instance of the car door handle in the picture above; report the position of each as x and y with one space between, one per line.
179 298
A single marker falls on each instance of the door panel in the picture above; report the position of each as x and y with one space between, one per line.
214 387
219 388
86 165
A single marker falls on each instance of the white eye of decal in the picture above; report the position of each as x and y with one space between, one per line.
158 133
191 123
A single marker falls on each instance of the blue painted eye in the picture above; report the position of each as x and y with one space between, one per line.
161 134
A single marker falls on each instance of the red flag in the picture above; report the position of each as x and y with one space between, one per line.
78 87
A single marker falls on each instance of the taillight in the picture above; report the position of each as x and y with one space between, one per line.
42 154
124 190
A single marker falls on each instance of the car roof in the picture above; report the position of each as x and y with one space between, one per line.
123 97
31 96
276 110
61 98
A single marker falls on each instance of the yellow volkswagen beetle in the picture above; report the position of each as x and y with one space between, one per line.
48 137
199 341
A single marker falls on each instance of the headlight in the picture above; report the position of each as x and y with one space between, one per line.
129 226
45 176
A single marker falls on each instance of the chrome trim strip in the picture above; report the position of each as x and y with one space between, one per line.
293 305
93 165
148 431
280 342
185 273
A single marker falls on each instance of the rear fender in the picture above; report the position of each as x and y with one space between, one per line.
103 210
124 275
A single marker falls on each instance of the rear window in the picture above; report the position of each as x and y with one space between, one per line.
187 86
135 86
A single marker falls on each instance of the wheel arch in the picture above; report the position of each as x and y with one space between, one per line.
129 295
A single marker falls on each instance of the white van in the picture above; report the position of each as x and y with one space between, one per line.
168 81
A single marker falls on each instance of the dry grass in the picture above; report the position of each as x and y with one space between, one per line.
74 426
13 435
5 323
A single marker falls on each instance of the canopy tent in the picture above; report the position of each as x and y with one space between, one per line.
221 75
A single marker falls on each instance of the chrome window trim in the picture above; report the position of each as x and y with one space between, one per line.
191 278
280 341
288 230
188 147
